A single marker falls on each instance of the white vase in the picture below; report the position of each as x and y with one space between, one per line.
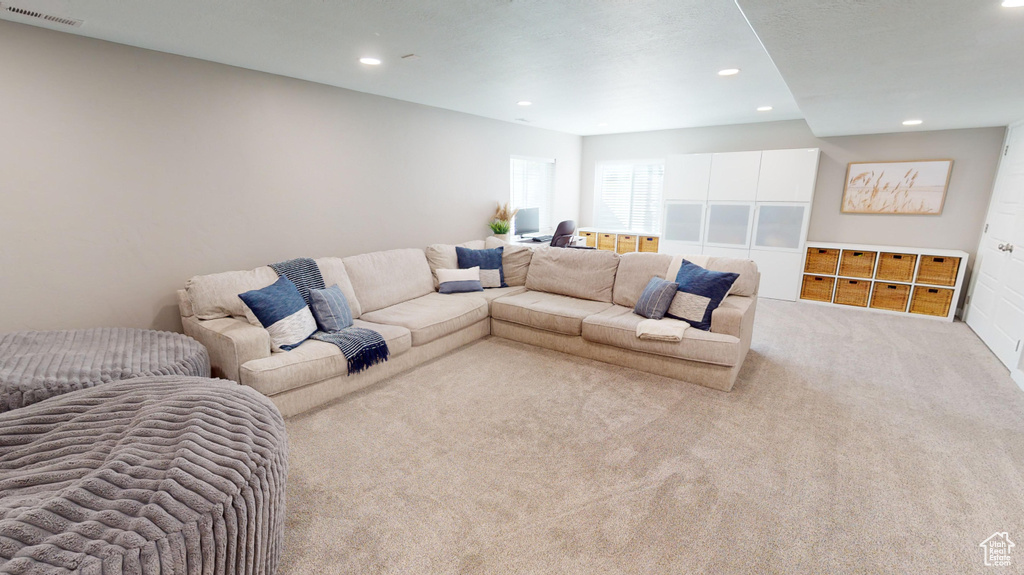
502 237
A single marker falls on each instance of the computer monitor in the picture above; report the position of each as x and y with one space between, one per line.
527 221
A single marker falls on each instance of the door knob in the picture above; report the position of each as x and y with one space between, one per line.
1006 247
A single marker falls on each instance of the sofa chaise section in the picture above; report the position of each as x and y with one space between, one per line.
390 292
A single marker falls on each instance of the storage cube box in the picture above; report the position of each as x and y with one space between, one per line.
896 267
821 261
890 296
852 292
931 301
625 243
936 270
857 264
817 288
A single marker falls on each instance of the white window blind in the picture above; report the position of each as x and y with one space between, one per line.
533 186
628 196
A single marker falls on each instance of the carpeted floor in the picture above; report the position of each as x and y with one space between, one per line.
853 442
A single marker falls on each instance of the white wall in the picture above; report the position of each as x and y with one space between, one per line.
975 153
124 172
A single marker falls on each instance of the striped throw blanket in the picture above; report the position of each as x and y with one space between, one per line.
362 347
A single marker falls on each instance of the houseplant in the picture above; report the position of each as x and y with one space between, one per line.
501 221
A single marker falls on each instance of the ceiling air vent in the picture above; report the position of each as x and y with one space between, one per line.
40 15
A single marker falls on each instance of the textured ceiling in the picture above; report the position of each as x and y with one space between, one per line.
865 66
636 65
852 66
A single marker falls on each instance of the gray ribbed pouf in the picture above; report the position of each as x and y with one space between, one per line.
36 365
151 476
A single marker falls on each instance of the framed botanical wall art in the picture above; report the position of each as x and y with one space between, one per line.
916 187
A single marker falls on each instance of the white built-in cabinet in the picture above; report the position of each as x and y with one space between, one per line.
754 205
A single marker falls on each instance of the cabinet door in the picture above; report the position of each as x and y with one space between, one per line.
728 225
687 177
781 226
684 222
734 176
788 175
780 273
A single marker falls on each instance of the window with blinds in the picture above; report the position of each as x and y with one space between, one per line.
533 186
628 196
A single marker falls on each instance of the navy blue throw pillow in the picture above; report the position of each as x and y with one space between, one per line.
656 298
485 260
700 293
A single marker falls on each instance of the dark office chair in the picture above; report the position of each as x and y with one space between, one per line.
563 234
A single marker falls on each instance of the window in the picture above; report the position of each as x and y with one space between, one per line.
628 196
533 186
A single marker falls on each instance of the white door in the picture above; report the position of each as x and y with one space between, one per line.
996 309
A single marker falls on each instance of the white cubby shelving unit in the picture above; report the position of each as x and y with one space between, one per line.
885 279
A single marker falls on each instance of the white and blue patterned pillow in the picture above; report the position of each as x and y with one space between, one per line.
700 293
281 310
330 309
459 281
656 298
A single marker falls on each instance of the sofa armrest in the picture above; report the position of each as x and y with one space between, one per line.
730 316
231 343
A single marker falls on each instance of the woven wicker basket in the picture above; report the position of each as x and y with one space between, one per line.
938 270
626 243
649 244
931 301
896 267
817 288
590 237
857 264
821 261
888 296
606 242
852 292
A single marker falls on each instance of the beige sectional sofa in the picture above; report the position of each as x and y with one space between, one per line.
574 301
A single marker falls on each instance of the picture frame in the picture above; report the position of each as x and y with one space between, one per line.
915 187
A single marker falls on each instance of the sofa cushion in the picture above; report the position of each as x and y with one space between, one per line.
489 295
313 361
515 260
431 316
216 295
333 271
616 326
585 274
635 270
382 279
547 311
443 256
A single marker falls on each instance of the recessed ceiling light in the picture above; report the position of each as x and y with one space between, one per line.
524 103
913 122
765 109
370 61
1013 3
729 72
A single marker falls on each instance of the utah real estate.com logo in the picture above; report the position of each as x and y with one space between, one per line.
997 549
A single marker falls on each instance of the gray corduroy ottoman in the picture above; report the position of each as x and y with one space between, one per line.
36 365
150 476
